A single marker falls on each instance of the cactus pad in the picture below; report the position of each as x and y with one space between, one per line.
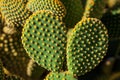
53 5
11 50
14 12
44 38
60 76
87 46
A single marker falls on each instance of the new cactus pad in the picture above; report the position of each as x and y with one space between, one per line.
14 12
53 5
86 46
60 76
44 39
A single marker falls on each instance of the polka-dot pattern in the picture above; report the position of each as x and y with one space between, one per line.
60 76
53 5
14 12
112 23
13 55
87 46
44 38
25 1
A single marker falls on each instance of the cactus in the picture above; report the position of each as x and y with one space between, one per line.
12 51
60 76
48 35
53 5
87 46
14 12
63 37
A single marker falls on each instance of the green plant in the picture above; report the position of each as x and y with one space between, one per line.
59 40
52 5
60 76
14 12
48 35
87 46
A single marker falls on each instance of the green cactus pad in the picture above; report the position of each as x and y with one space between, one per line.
14 12
44 38
60 76
13 55
74 11
53 5
87 46
112 23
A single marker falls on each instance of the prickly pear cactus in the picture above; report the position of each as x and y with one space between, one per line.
14 12
60 76
53 5
11 50
56 39
44 39
87 46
